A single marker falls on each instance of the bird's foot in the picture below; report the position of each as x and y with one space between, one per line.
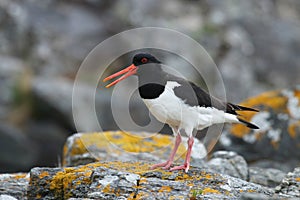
164 165
185 166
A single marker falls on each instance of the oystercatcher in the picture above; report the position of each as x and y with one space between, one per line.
181 104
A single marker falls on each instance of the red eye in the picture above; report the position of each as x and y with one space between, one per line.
144 60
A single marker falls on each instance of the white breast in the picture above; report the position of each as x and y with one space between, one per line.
170 109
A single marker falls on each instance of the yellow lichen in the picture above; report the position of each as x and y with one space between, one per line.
292 129
273 99
165 189
120 141
70 178
269 100
106 189
20 175
65 181
44 174
297 94
297 179
210 190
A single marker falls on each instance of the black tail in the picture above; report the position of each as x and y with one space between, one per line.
248 124
240 108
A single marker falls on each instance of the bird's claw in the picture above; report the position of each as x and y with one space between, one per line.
164 165
185 166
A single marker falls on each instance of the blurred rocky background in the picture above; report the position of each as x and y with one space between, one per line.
255 45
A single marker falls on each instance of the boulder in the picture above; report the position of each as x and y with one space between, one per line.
83 148
278 138
116 165
121 180
229 163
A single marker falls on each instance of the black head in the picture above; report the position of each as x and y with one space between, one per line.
144 58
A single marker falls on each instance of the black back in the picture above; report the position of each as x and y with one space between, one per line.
152 80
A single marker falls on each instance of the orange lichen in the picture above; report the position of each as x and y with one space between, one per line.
106 189
70 178
210 190
297 179
292 129
67 180
165 189
269 100
273 99
44 174
297 94
119 142
124 140
20 175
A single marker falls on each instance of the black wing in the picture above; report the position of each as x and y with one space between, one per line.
193 95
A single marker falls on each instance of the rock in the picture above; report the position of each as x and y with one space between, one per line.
7 197
13 186
86 148
83 148
252 47
229 163
132 180
15 144
279 134
257 196
290 185
128 175
11 71
266 177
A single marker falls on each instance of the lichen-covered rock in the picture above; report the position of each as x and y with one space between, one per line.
290 185
14 185
83 148
107 180
279 135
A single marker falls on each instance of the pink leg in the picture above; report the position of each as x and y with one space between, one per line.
186 164
168 163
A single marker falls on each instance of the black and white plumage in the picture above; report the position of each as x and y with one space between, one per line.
181 104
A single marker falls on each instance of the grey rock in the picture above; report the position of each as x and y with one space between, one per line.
290 184
13 186
120 181
15 144
7 197
229 163
257 196
267 177
11 72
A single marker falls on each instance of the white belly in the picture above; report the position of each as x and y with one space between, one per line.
170 109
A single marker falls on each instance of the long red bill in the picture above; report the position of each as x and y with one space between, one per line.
127 72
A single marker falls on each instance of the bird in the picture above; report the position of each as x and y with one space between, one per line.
181 104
